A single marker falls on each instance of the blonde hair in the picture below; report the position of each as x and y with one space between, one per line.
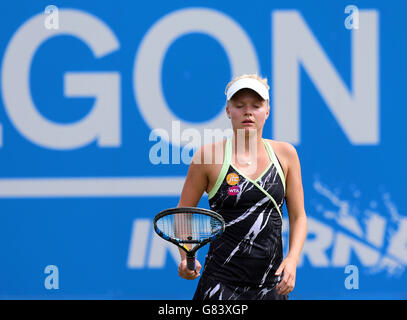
252 76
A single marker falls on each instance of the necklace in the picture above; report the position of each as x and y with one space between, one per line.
244 161
247 162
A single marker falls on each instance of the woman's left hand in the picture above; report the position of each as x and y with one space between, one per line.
288 267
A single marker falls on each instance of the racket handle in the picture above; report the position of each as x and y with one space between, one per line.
191 263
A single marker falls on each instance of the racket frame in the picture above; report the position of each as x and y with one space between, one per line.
190 254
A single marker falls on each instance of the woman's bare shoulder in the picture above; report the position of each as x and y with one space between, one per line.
286 153
285 148
210 153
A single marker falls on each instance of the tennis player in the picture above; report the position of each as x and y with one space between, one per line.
248 189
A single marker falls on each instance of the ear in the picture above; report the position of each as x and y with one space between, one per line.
268 110
227 111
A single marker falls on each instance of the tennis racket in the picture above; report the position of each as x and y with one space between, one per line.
189 228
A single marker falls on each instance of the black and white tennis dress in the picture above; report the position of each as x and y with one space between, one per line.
241 264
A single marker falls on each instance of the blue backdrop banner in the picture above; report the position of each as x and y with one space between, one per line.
104 102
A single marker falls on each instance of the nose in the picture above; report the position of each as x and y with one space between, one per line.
248 111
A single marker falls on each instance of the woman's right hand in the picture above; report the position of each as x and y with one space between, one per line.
185 273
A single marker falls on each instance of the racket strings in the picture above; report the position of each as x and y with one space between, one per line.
187 227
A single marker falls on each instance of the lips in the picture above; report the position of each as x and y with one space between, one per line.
247 121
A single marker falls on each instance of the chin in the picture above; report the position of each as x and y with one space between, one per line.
247 130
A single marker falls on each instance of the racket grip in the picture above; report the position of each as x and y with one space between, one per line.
191 263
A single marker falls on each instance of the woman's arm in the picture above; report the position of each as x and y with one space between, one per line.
195 185
196 181
297 220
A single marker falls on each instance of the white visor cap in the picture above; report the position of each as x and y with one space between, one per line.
248 83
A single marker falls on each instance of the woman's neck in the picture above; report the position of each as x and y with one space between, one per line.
247 144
